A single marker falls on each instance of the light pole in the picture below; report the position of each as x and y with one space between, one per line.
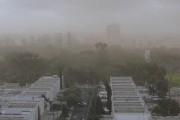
178 96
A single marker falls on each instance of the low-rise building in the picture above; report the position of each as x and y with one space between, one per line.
127 104
17 114
30 99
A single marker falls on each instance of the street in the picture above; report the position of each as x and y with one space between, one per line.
79 111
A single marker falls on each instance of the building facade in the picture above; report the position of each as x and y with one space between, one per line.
127 104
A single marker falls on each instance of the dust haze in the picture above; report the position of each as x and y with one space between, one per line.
49 16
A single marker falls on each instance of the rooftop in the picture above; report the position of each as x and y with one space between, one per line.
11 117
22 105
125 96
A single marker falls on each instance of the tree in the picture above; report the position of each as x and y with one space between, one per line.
25 67
162 88
72 96
39 113
55 106
167 107
102 56
72 90
173 70
109 94
149 74
95 108
61 77
65 111
72 100
99 106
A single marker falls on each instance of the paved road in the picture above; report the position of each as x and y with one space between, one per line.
79 112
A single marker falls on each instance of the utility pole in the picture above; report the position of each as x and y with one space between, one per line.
93 85
178 96
53 112
94 99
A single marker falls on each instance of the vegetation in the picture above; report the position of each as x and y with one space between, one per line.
61 77
167 107
39 114
64 114
65 111
81 63
175 81
23 67
95 108
147 74
72 96
109 94
86 64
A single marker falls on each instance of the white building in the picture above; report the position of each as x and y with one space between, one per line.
127 104
46 85
17 114
26 106
23 103
52 82
113 34
39 93
30 99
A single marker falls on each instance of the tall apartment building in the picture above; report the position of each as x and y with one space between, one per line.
113 34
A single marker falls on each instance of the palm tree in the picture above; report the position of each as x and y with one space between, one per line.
61 77
109 94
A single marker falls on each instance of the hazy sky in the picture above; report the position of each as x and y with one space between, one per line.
134 16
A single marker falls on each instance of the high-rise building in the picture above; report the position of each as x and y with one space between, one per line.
58 41
147 55
113 34
71 40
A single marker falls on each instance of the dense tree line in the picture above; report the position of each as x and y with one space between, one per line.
84 66
23 67
89 65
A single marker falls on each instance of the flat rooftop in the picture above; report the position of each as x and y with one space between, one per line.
36 92
39 89
22 105
125 96
7 117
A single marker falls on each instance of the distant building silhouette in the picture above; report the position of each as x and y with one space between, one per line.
147 55
58 41
113 34
71 40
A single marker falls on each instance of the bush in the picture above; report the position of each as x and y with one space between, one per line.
167 108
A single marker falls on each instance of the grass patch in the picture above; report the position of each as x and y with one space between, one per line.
175 80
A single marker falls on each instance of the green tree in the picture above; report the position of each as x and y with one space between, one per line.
65 112
61 77
39 113
72 95
72 90
72 100
102 55
162 88
167 107
99 106
25 67
149 74
95 108
109 94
